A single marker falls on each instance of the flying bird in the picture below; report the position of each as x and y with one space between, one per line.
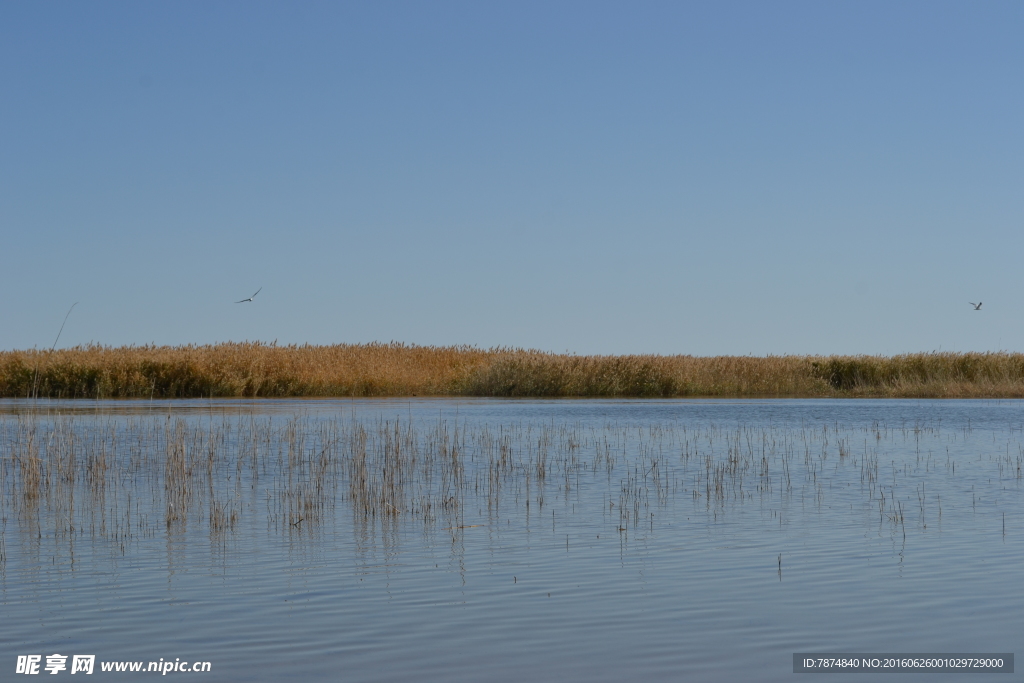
261 289
977 306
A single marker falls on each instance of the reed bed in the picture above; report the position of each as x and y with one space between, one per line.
359 370
123 480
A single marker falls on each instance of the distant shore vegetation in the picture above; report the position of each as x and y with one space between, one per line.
254 369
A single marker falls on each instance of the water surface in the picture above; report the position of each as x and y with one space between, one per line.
383 540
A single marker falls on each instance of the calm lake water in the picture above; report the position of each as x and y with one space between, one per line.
442 540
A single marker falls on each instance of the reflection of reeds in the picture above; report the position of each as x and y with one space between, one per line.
309 480
63 477
177 473
254 369
222 516
30 471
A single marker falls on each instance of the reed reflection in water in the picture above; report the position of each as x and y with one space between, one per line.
595 512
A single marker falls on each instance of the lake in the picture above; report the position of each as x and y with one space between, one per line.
508 540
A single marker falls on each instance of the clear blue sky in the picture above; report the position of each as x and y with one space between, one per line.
704 178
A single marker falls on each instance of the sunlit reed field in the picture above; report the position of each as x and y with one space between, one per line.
360 370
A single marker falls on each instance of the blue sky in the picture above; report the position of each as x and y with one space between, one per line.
702 178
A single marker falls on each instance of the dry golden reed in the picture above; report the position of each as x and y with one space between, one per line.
267 370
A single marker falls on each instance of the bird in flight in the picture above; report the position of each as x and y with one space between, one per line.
261 289
977 306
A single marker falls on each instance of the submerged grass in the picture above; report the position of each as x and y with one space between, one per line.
255 369
125 478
